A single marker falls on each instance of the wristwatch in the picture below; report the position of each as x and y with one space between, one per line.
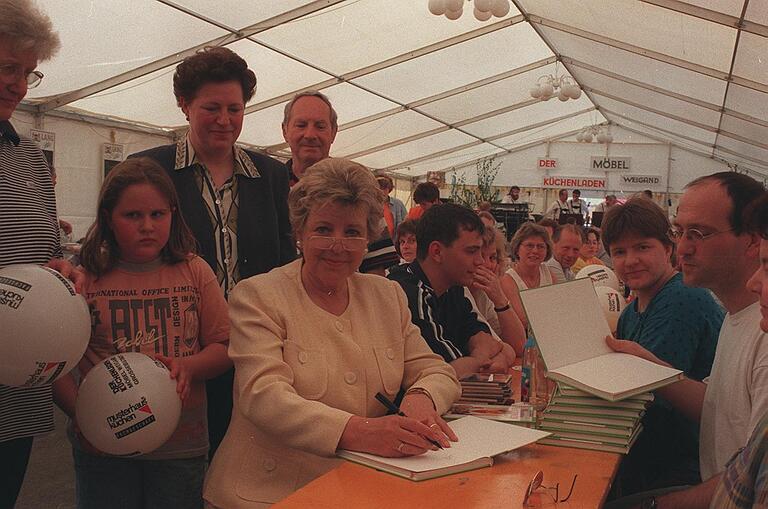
648 503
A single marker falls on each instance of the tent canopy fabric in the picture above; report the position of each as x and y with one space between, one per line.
417 92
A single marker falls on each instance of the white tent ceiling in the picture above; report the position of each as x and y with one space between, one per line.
417 92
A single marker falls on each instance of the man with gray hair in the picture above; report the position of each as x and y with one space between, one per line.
309 127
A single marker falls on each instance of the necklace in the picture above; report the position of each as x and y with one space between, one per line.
530 281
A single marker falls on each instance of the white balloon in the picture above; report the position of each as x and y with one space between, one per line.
454 5
437 7
562 96
580 137
608 138
612 304
602 137
46 326
481 15
454 15
547 89
484 5
600 274
500 8
588 137
535 92
127 405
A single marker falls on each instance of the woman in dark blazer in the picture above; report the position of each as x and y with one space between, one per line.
234 200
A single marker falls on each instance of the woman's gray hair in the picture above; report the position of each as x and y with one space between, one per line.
27 28
339 181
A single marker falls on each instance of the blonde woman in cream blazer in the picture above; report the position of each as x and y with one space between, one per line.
313 342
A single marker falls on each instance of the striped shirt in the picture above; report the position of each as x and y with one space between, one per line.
447 321
29 233
222 204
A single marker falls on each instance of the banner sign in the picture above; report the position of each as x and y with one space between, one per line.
575 182
610 163
644 181
546 164
46 141
111 154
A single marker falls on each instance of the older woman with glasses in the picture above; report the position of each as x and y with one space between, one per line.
313 343
531 247
29 228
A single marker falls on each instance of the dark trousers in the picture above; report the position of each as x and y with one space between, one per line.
219 393
13 465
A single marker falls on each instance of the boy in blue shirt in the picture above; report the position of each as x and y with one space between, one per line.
678 324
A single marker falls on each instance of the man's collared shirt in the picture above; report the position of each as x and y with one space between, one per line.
447 322
222 204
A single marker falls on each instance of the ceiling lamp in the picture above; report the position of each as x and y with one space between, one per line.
600 133
548 86
483 9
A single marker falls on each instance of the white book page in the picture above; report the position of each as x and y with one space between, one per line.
478 438
567 322
615 372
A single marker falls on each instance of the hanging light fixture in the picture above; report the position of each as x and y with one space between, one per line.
483 9
548 86
600 134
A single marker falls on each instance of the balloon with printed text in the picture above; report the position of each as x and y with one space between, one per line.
44 325
127 405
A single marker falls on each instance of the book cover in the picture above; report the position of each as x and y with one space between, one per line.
479 441
573 345
618 421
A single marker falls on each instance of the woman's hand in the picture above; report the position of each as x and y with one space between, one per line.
391 436
419 406
490 283
69 271
180 372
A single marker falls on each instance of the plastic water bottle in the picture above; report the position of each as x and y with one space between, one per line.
533 388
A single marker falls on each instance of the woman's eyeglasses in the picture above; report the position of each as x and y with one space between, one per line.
11 73
538 482
347 243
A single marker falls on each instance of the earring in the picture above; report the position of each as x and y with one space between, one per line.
298 244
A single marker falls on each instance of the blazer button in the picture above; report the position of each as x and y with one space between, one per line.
350 377
269 464
303 357
390 354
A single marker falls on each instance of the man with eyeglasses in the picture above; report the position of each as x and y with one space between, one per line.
718 251
448 253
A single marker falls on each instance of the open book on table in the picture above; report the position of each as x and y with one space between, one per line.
479 441
570 330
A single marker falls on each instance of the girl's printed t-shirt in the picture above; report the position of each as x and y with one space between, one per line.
171 310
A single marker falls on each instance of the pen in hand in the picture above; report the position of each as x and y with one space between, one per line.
396 410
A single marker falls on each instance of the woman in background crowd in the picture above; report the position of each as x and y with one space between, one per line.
589 250
531 247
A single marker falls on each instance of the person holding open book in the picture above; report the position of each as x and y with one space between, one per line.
717 250
676 323
313 343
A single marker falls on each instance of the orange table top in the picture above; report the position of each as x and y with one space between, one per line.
501 486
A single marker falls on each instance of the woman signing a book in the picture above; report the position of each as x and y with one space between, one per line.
313 342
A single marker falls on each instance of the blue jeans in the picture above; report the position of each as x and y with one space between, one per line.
129 483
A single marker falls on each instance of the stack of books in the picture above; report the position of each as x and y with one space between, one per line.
486 388
578 419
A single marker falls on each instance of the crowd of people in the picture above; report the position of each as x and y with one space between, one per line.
311 290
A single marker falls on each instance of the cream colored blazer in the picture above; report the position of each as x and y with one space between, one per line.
302 372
